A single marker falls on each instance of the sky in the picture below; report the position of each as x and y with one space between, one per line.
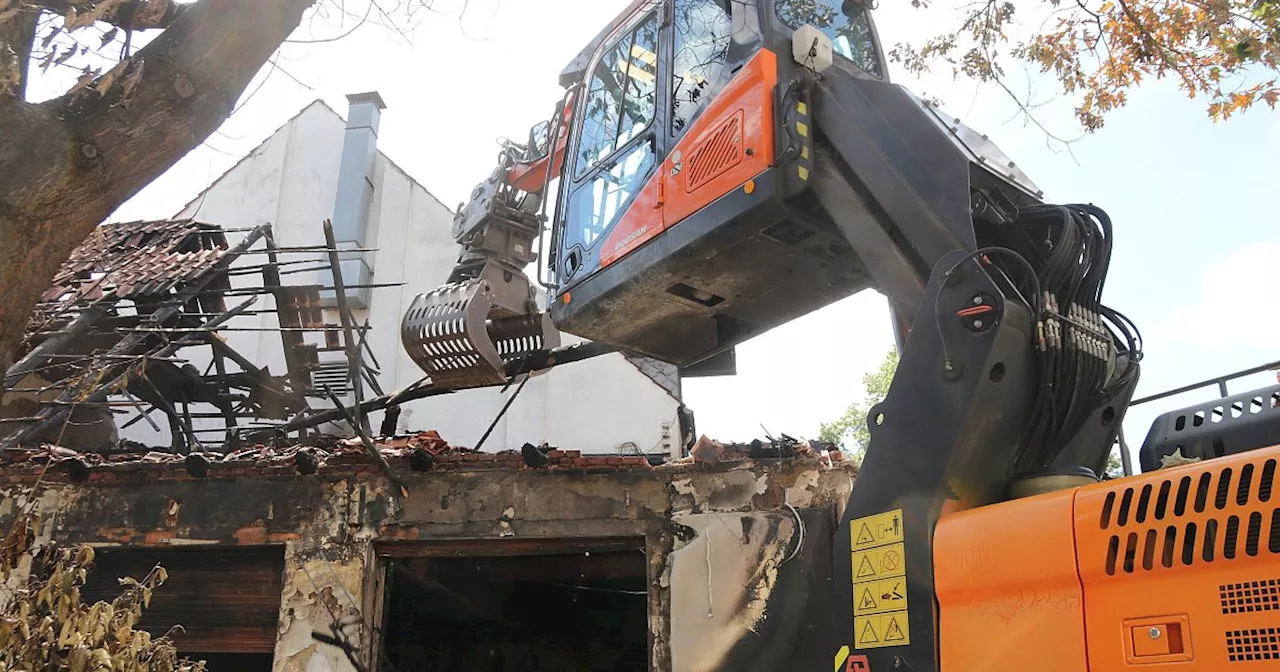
1193 202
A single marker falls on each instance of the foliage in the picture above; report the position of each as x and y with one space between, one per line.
1114 468
44 625
1225 50
850 430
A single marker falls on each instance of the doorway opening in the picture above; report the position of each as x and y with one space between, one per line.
475 607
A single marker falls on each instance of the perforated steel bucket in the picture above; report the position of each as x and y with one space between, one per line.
459 337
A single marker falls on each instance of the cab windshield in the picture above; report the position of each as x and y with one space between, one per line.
846 22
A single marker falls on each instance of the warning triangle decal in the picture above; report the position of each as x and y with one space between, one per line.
864 535
867 601
868 635
893 633
865 569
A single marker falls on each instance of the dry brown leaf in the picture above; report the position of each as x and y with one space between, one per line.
75 19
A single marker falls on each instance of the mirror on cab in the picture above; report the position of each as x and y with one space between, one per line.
538 140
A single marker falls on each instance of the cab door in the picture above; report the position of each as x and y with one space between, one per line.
612 197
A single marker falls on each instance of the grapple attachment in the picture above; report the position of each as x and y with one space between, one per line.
463 333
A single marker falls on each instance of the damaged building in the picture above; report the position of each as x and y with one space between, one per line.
313 558
225 322
230 401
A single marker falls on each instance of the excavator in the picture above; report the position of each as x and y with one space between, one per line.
725 166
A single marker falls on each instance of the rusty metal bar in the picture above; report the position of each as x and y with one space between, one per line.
344 314
369 448
539 362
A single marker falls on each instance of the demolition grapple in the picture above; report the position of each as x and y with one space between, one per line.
464 333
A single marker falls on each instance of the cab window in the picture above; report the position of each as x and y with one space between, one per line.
846 22
702 32
620 100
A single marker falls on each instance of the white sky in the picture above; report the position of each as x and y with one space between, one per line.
1192 201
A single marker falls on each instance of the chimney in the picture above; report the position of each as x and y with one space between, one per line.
355 195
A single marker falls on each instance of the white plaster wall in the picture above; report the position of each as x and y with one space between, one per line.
290 181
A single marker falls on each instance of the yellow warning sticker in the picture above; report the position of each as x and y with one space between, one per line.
877 530
879 563
890 629
879 581
878 597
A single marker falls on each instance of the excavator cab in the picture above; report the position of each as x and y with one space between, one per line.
734 165
679 232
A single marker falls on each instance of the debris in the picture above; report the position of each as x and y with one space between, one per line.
306 462
421 460
706 450
112 335
197 465
534 457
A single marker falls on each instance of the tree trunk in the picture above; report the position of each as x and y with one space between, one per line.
67 163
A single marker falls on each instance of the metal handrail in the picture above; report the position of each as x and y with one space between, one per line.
1221 382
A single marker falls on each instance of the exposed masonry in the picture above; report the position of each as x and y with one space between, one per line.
733 518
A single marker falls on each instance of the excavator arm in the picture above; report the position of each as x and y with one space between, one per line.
725 167
466 332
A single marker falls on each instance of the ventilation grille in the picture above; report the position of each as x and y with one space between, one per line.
717 155
1250 596
1236 409
1254 644
1164 540
334 374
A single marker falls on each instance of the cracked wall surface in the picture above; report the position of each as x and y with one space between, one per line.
720 540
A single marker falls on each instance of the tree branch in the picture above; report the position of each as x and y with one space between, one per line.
19 35
130 15
69 162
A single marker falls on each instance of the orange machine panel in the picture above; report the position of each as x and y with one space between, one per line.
731 142
641 221
1181 567
1007 588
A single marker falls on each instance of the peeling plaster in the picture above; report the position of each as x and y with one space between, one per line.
720 583
721 490
318 584
801 494
733 515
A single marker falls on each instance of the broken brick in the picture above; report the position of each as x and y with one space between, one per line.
707 450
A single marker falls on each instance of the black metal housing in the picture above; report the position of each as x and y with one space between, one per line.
934 438
1235 424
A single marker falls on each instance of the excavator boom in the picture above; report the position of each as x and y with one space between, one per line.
725 166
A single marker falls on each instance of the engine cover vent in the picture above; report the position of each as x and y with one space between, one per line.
1250 596
1254 644
1156 537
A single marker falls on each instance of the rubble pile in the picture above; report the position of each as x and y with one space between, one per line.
784 447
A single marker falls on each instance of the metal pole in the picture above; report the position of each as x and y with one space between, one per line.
510 400
353 356
1126 461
